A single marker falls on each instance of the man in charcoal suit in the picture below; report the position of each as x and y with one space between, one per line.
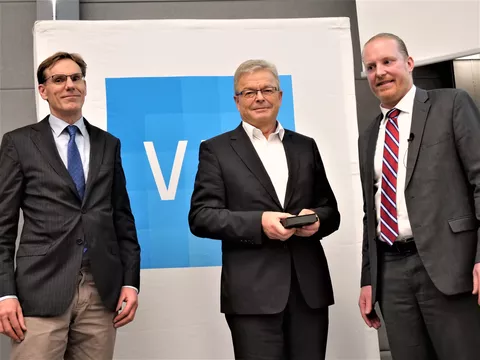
78 262
275 287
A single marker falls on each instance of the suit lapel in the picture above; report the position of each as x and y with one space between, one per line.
97 146
242 145
370 152
288 144
419 119
42 137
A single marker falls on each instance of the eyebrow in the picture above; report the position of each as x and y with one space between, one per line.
264 87
382 59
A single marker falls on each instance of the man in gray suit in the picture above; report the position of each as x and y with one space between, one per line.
78 262
420 170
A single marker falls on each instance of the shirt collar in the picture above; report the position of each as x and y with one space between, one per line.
254 133
58 126
405 104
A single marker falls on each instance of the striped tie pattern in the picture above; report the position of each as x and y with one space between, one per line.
388 198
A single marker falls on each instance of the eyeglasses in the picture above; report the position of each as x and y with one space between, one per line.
250 94
60 79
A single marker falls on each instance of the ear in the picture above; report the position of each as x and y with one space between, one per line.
280 96
410 64
42 90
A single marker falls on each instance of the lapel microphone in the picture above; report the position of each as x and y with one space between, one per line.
411 137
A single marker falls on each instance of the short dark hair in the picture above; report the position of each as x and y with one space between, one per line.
401 44
52 60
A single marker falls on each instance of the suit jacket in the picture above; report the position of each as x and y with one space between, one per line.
57 223
442 189
232 190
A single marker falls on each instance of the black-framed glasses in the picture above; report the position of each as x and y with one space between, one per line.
250 93
60 79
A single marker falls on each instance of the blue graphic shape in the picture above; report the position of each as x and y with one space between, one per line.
164 111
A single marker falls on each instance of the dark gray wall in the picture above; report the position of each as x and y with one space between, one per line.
16 64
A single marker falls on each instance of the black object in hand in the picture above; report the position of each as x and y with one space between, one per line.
299 221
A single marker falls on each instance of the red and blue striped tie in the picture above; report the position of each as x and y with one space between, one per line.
388 198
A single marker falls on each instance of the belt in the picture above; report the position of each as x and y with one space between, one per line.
397 248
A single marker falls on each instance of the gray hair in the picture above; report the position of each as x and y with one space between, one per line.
251 66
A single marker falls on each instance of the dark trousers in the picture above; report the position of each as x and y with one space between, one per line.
297 333
421 322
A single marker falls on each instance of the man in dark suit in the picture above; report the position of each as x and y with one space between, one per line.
275 287
78 260
420 169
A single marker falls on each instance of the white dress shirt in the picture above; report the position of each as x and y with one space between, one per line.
273 157
404 124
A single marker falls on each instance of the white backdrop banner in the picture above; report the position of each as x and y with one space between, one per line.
164 86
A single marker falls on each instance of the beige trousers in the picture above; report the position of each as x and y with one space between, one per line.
84 332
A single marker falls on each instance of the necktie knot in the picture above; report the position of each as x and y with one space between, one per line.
72 130
393 114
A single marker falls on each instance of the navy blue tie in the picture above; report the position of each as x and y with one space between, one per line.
75 167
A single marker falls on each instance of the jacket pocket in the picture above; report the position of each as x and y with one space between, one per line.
464 223
441 139
106 168
32 250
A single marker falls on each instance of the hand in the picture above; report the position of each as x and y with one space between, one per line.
308 230
12 322
126 315
273 228
365 303
476 281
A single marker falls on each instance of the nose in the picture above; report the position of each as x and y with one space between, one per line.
380 70
259 96
69 83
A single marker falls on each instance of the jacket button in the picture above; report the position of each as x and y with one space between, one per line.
79 241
